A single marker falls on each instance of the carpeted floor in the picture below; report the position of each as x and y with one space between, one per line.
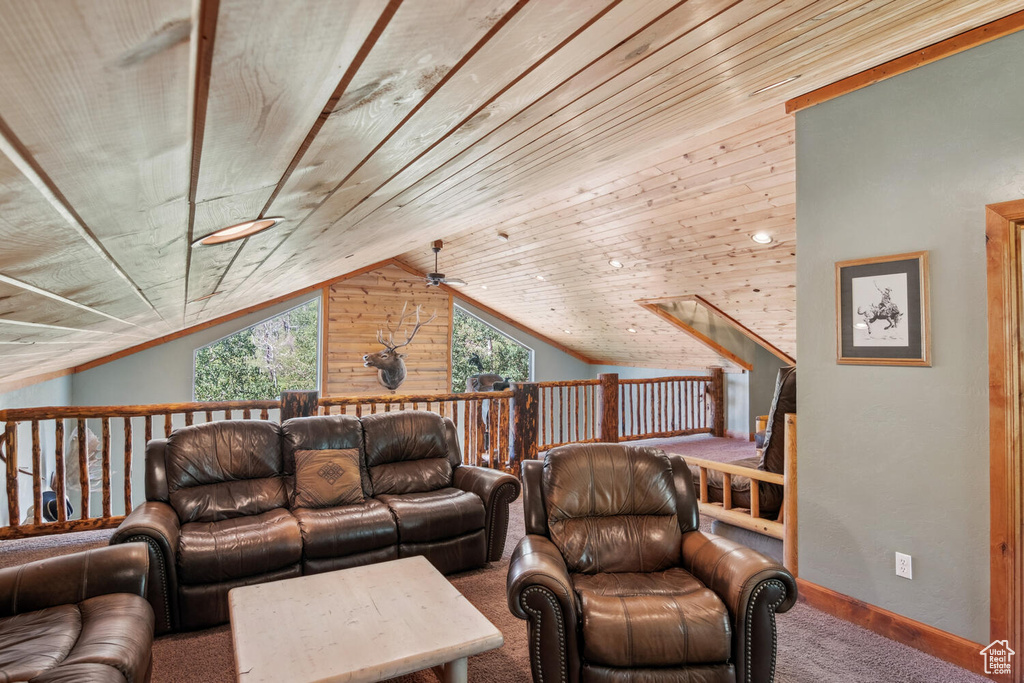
813 646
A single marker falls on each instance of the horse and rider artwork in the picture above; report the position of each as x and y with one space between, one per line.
882 310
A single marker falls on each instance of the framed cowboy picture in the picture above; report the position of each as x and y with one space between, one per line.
882 311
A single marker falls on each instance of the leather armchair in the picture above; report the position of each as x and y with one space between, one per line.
79 617
617 583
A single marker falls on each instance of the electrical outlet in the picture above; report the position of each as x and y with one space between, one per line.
903 566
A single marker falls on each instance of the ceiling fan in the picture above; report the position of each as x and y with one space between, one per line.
434 279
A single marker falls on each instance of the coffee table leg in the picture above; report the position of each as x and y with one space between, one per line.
454 672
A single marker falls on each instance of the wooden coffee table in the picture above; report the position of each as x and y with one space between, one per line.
368 623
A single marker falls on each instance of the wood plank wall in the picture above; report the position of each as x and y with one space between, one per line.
356 308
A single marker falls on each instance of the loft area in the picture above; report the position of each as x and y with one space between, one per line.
405 341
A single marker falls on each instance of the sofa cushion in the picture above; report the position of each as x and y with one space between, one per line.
34 642
220 470
674 581
209 552
117 631
658 629
407 452
327 478
346 530
78 673
435 515
623 520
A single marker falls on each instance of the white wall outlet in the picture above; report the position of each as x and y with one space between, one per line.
903 566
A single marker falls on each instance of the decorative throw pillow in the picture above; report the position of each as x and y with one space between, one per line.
327 478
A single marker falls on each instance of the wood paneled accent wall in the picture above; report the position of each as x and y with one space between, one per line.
357 307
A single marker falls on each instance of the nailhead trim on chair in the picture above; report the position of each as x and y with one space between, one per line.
546 594
775 636
502 496
153 546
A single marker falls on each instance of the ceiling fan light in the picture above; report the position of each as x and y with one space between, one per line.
236 232
761 238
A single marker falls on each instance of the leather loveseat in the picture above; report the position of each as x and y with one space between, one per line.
79 618
617 584
235 503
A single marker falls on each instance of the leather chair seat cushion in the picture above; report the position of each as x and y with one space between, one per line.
81 673
674 581
346 530
435 515
706 673
112 632
679 623
210 552
34 642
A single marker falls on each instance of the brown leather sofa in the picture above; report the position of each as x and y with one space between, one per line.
78 618
772 458
617 584
225 507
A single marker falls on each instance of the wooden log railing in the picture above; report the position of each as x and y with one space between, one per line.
666 406
482 418
113 423
568 412
785 527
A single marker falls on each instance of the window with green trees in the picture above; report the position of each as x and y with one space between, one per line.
259 362
478 347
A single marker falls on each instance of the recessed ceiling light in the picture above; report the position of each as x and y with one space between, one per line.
775 85
236 232
502 237
761 238
483 286
540 277
615 264
631 330
567 331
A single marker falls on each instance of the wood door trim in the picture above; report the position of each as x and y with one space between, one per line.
1006 458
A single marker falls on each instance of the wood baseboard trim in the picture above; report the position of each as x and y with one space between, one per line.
936 642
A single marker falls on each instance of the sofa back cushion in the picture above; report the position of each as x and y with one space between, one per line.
221 470
612 508
324 432
408 452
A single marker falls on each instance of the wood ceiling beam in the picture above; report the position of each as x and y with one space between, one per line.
23 160
14 282
895 67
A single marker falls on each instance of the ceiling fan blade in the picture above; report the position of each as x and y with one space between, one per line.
458 282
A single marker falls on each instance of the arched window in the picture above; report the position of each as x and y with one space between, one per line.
478 347
259 362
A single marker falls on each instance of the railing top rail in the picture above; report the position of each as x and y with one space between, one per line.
571 383
413 398
652 380
86 412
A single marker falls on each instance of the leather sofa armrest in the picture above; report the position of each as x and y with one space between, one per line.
753 587
70 579
156 524
539 590
497 490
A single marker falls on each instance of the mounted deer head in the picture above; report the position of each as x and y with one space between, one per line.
389 363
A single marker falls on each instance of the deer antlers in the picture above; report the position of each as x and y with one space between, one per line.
389 343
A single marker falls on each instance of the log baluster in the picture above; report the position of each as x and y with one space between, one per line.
149 426
188 418
246 414
83 469
503 427
209 416
703 484
59 472
228 415
264 414
493 456
169 425
127 465
37 475
11 446
727 491
107 513
755 499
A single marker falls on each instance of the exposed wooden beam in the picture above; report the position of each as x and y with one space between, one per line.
22 159
932 53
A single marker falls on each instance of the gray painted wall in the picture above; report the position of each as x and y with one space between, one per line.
896 459
762 383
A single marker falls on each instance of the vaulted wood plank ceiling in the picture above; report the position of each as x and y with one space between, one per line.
586 130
